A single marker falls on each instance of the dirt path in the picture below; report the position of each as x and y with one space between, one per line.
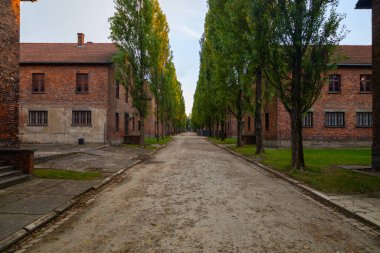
194 197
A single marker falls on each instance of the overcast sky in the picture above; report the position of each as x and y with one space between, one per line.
60 21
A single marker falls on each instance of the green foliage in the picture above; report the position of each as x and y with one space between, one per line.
144 61
66 174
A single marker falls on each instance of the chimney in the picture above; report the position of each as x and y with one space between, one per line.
80 39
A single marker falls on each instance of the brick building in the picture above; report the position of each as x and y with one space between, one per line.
68 92
9 72
342 116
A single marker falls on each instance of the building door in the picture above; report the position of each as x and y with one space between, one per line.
126 123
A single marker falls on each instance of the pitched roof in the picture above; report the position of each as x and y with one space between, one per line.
67 53
102 53
355 55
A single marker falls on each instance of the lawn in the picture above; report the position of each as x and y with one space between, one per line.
226 141
322 172
153 140
66 174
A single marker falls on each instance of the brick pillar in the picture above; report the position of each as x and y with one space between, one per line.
9 72
376 83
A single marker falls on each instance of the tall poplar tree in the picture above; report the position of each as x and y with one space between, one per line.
131 30
304 35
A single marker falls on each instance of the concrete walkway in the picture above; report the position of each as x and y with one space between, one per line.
27 206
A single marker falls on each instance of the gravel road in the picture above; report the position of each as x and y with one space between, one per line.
195 197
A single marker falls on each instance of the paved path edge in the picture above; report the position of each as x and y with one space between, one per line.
319 196
45 219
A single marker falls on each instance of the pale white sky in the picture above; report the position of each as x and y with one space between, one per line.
60 21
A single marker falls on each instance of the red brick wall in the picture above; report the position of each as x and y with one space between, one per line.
60 99
9 72
272 133
350 100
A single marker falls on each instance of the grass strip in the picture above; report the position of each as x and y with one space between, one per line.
66 174
322 172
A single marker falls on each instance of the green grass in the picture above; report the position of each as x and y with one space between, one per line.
153 140
226 141
322 172
66 174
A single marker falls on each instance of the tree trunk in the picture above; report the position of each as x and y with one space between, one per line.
157 124
222 136
239 117
258 109
217 130
298 161
162 129
376 84
142 134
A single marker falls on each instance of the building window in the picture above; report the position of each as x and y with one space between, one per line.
38 118
308 120
117 121
82 83
267 121
139 125
38 83
133 124
365 83
364 119
334 83
249 123
81 118
334 119
117 90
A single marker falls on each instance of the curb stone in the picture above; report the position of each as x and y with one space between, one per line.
160 147
12 239
65 206
322 198
40 222
19 235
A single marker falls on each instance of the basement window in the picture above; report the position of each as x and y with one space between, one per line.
38 118
334 119
364 119
82 83
38 83
81 118
307 120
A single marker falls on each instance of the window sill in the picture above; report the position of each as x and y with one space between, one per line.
307 126
365 92
37 125
81 125
35 92
335 126
79 93
364 126
334 92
